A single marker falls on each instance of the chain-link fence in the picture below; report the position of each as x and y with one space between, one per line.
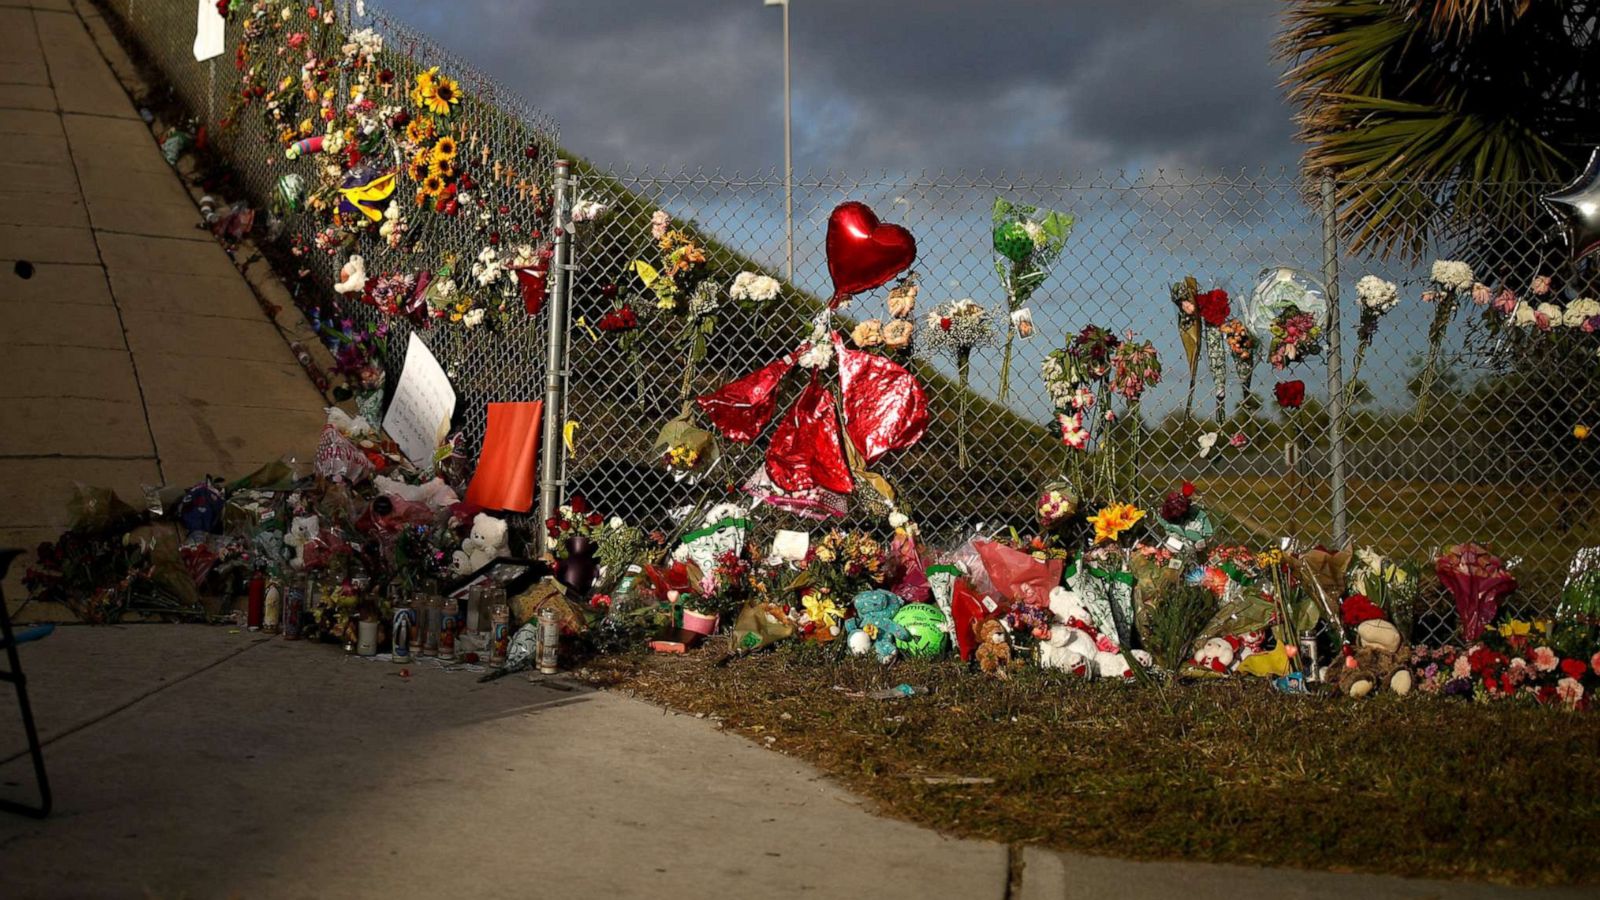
245 99
1457 426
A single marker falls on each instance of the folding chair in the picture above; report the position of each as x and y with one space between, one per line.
10 639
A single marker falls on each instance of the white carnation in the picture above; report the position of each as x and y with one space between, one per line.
1580 311
751 286
473 318
1377 295
1551 312
1453 276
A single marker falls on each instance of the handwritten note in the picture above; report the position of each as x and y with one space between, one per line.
210 27
419 415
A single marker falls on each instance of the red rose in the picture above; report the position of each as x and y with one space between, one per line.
1290 394
579 505
595 519
1212 306
1573 669
944 323
1188 489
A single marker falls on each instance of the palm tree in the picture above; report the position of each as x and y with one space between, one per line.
1435 114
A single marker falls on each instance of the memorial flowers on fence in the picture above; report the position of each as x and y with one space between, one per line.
1027 242
957 329
1451 280
1376 298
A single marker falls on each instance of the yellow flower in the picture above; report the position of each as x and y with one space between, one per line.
441 95
1515 628
445 148
419 167
1581 432
432 186
444 168
1269 558
419 130
1111 522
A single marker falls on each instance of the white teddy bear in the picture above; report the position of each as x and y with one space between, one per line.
486 542
303 530
1074 642
1065 649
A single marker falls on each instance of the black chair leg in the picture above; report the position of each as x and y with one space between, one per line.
15 676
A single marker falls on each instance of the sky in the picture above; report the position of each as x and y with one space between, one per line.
1044 86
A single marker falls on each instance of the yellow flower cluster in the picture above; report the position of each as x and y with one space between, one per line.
1110 522
436 93
681 457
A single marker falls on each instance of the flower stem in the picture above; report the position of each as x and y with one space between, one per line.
964 370
1436 331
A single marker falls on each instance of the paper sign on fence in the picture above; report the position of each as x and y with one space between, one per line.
419 415
210 27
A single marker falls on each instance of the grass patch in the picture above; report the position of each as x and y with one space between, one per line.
1223 772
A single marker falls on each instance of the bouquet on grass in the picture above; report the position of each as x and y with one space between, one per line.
1027 242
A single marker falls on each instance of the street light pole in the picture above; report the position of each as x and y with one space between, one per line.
788 153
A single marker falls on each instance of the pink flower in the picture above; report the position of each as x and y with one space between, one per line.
1082 398
1594 663
1541 285
1429 296
1570 691
1239 440
1505 302
1481 294
1462 668
1544 659
1541 320
659 222
1073 434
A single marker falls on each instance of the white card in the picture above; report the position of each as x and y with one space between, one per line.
419 415
210 29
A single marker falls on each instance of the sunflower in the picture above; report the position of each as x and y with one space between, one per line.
424 87
419 131
1110 522
444 94
419 167
444 168
432 186
445 148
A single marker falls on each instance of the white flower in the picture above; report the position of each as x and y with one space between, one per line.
1206 442
817 356
898 519
751 286
473 318
1369 559
706 298
616 522
1580 311
523 256
1377 295
586 210
1552 314
1523 316
1453 276
1035 233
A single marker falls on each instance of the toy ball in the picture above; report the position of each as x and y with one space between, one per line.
859 643
926 623
366 192
291 192
1011 241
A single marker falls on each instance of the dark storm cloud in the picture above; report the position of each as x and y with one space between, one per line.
890 84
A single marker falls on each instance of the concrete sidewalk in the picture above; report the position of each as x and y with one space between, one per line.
135 353
200 762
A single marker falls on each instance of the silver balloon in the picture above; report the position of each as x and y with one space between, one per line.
1577 208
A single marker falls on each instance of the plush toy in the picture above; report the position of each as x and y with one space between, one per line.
875 618
994 650
1373 661
1065 649
352 276
1100 654
303 530
487 541
1217 654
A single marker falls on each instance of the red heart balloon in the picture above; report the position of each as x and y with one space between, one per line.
863 253
805 451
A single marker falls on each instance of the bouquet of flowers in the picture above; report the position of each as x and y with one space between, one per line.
1477 579
1027 242
1451 280
1376 299
1190 327
1288 309
957 329
1242 348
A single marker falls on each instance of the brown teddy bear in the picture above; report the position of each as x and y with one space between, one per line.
994 650
1378 658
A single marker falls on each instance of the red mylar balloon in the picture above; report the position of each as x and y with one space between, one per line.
741 409
863 253
805 451
884 405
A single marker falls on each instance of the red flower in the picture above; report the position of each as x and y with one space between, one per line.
579 505
1573 669
620 319
595 519
945 323
1188 489
1290 394
1212 306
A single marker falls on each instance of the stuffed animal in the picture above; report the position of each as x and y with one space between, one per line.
1099 653
352 276
1217 654
303 530
994 650
1374 660
875 618
487 541
1064 650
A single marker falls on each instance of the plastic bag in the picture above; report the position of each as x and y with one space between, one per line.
760 625
1019 577
97 510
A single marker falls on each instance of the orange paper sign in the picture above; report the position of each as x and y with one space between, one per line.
507 463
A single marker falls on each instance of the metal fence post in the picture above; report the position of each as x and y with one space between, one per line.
552 460
1330 278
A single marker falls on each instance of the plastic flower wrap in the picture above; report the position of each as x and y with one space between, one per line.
1289 310
1056 503
1027 242
1477 579
1190 328
1242 348
1375 298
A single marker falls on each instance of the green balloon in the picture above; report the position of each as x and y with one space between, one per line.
926 623
1011 241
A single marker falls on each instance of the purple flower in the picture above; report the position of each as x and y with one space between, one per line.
1458 687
